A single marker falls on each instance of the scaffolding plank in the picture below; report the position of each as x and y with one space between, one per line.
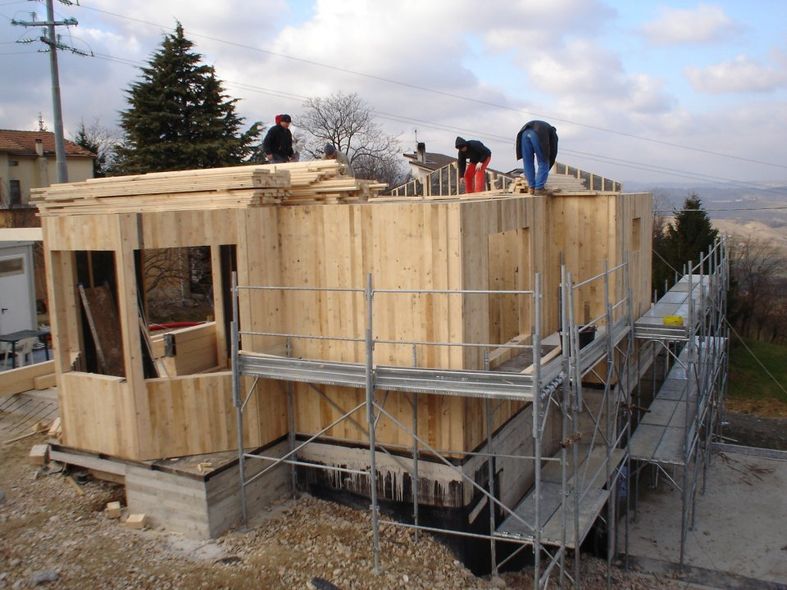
589 508
645 441
671 445
549 501
660 412
590 466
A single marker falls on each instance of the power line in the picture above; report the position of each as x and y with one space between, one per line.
51 40
485 135
717 210
445 93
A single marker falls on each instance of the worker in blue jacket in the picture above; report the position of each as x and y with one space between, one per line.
477 153
539 139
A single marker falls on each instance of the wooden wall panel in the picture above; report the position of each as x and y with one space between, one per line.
454 244
194 414
93 417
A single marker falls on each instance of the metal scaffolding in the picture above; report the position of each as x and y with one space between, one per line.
688 327
572 484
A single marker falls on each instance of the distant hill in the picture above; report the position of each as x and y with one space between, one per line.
743 205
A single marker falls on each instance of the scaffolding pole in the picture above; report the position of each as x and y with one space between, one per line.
559 389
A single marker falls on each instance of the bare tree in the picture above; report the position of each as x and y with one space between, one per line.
100 140
347 121
758 269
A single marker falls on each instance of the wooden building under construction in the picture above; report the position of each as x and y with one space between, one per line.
287 232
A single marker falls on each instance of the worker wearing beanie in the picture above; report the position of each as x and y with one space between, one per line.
477 153
331 153
277 144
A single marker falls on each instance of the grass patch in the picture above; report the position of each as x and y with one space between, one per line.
751 390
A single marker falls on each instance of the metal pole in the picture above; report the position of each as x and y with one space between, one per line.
60 150
576 410
291 426
686 449
490 462
369 296
236 400
415 478
490 471
565 423
537 427
610 428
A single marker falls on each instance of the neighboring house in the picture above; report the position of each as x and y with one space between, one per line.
27 160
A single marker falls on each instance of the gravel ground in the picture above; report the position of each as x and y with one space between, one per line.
55 534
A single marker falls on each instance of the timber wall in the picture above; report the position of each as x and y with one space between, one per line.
488 242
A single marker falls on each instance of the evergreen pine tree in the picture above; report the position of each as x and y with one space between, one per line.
179 117
686 238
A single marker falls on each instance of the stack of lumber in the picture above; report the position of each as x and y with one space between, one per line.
557 183
324 180
215 188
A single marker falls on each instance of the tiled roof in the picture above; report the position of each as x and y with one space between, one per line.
433 160
23 143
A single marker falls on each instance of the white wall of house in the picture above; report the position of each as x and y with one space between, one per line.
17 290
36 172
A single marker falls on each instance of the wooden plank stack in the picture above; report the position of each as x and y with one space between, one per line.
215 188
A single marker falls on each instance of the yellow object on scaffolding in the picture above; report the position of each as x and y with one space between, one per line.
673 320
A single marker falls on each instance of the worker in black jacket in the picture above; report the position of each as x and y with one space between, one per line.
539 139
277 144
477 153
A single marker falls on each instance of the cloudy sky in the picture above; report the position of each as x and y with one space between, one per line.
674 91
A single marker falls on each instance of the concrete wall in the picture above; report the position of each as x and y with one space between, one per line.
206 506
439 484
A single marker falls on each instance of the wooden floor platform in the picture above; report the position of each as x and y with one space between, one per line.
21 412
591 472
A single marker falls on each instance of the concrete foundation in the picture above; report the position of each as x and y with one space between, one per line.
740 521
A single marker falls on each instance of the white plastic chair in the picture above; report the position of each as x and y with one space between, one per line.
5 350
24 349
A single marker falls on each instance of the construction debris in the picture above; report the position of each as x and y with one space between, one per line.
39 454
56 430
136 521
113 509
205 467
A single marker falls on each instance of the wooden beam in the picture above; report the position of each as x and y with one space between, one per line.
24 378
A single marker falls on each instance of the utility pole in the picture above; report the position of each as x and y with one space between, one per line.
49 38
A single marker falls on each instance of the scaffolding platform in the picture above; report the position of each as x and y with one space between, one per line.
692 288
484 384
592 475
661 434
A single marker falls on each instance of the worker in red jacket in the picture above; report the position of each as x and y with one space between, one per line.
477 153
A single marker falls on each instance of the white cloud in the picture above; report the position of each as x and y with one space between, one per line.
552 60
588 72
741 74
703 24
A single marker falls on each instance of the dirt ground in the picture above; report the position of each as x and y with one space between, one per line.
56 533
754 430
